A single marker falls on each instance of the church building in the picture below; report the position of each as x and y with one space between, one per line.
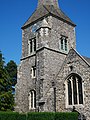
52 75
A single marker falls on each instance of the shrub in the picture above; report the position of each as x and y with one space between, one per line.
52 116
12 116
21 117
8 115
40 116
66 116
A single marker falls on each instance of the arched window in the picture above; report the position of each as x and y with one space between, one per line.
64 44
31 46
75 91
33 72
32 99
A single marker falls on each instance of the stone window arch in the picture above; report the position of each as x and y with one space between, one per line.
33 72
32 99
32 45
74 87
63 44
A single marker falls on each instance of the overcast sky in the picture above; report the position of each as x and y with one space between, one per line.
14 13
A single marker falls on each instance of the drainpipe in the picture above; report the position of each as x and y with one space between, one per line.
54 92
54 89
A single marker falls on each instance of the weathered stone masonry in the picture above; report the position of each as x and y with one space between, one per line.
54 60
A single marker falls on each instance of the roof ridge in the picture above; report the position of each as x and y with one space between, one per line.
45 10
65 60
82 57
29 18
58 10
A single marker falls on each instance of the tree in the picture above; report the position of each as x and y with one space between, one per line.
6 97
1 60
11 68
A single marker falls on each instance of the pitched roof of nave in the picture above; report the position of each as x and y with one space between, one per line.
84 58
70 58
46 10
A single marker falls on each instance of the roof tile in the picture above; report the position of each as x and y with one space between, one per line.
46 10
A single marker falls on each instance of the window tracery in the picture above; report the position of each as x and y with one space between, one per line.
75 90
63 44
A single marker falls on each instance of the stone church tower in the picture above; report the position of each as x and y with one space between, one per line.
52 75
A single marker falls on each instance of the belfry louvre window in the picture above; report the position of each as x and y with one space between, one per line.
63 44
32 99
75 91
32 45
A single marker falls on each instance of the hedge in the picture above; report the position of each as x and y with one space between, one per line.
66 116
12 116
52 116
38 116
21 117
8 116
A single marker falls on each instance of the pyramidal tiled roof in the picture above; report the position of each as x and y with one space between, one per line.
46 10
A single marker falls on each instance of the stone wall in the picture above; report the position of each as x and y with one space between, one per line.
58 28
61 28
24 84
48 2
48 60
52 63
52 67
81 68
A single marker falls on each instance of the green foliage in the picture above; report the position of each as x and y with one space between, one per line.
21 117
6 101
8 116
52 116
11 68
6 97
4 80
38 116
1 60
66 116
12 116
